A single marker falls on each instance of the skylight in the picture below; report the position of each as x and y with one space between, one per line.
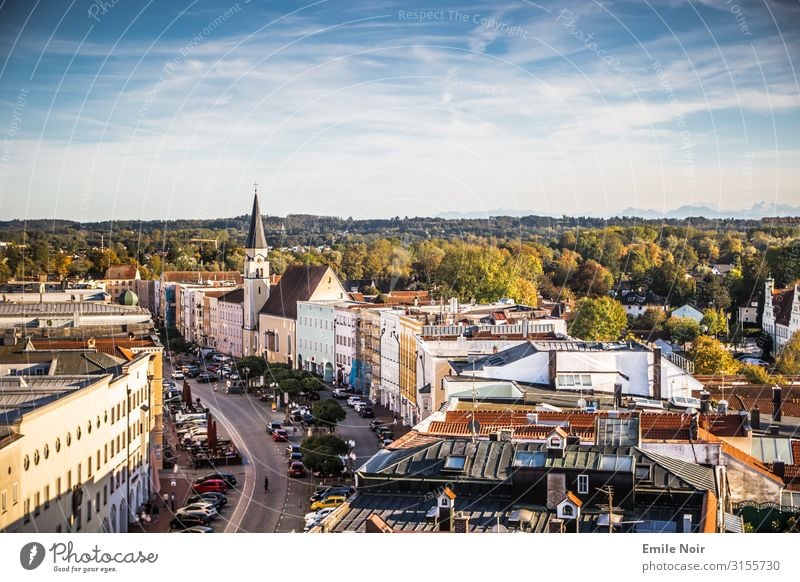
455 463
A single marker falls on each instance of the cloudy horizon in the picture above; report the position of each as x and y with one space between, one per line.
112 110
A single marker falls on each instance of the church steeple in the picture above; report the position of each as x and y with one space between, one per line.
255 237
256 279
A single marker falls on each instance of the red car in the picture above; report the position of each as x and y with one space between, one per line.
280 435
297 469
212 485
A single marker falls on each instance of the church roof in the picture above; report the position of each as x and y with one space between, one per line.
255 237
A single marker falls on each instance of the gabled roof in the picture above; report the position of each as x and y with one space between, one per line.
636 298
235 296
198 277
572 498
255 236
782 305
697 476
115 272
298 283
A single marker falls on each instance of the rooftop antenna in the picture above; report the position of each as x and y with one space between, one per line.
255 188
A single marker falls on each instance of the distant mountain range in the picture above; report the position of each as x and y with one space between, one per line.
757 211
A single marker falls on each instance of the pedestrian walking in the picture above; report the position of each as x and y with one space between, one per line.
172 501
266 484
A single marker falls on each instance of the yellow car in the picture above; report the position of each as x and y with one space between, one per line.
330 501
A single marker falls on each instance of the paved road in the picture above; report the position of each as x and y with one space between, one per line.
244 419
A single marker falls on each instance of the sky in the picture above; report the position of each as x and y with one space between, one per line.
136 109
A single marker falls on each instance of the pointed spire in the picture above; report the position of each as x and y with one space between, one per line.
256 238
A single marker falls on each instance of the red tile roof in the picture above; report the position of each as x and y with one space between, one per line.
110 346
574 499
120 272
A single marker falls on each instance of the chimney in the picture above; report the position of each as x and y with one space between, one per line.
525 327
461 523
777 394
551 368
755 418
693 427
556 489
618 395
687 523
445 503
779 468
705 404
657 373
555 525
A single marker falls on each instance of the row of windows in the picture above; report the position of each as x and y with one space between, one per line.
134 400
314 345
344 340
574 380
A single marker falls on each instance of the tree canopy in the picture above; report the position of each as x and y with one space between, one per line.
321 454
601 319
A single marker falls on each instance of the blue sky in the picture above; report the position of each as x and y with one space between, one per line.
172 109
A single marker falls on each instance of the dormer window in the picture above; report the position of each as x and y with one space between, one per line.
455 463
555 443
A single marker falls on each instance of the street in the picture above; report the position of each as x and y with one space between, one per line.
244 419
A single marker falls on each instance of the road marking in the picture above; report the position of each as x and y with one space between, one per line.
249 473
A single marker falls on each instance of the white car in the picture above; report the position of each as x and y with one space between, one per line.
178 375
196 509
353 400
318 515
359 405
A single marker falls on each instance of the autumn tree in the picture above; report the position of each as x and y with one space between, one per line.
600 319
715 321
711 357
788 359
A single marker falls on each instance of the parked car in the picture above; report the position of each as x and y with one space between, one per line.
297 469
318 515
296 456
229 478
359 405
366 412
273 426
185 521
202 508
196 529
217 485
234 389
374 424
386 442
340 393
178 375
334 490
280 435
352 401
330 501
217 499
293 448
206 377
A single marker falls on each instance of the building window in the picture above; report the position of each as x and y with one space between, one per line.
3 501
46 451
37 501
583 484
15 493
46 496
58 487
567 510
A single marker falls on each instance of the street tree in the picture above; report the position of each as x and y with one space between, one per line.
321 454
711 357
328 413
715 321
601 319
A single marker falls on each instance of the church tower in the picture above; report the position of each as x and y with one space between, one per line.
256 279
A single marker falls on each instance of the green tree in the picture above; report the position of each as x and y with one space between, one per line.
652 319
328 413
682 329
788 359
250 367
601 319
291 386
715 321
711 357
321 454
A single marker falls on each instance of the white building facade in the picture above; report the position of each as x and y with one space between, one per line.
316 337
781 319
346 331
